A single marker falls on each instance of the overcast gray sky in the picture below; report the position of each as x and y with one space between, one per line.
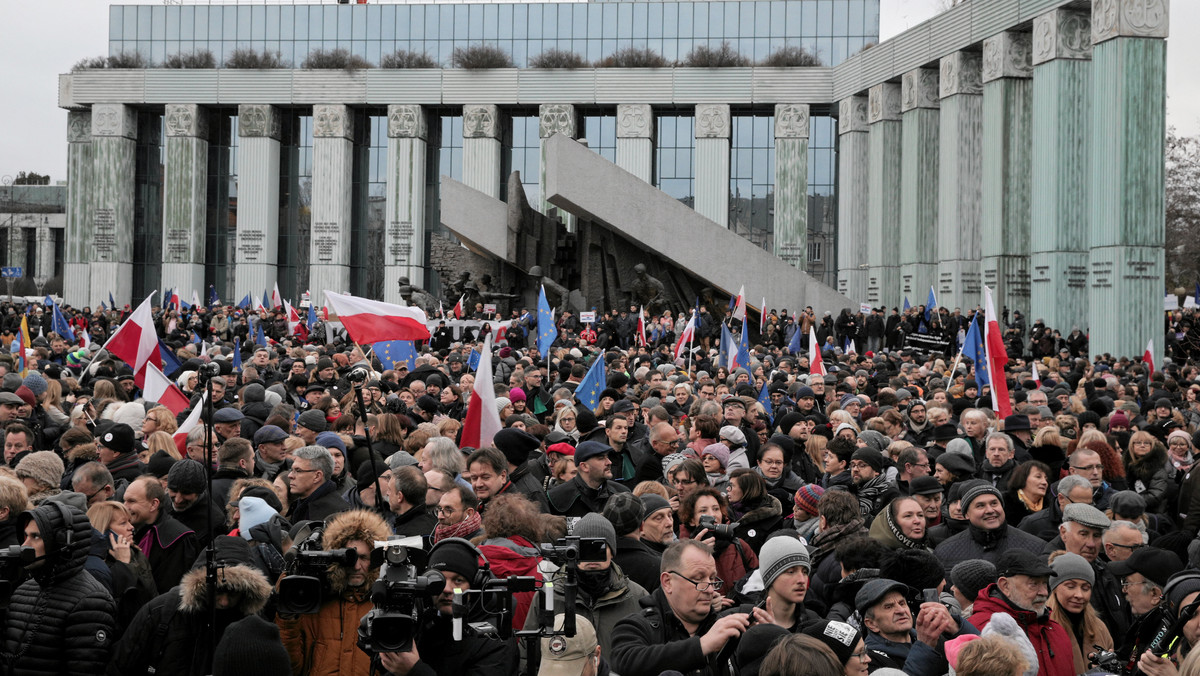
43 39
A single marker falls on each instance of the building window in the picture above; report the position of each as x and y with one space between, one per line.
522 148
673 166
752 178
147 205
369 204
814 252
295 199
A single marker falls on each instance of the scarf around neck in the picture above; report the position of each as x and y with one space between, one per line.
898 533
462 529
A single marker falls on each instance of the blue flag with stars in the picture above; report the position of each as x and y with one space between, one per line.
930 304
259 338
61 326
312 315
547 331
796 345
244 303
237 355
764 398
473 359
171 363
392 351
907 305
213 299
725 354
589 389
973 349
743 352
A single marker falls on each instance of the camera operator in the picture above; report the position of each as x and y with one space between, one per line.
703 515
324 642
435 651
1183 593
1144 578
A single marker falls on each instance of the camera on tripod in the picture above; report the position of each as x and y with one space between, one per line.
303 589
404 602
721 531
357 375
574 549
206 372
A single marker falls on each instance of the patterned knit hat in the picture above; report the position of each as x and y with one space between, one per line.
807 498
780 553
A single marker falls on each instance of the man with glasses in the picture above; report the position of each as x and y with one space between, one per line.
677 627
315 496
912 462
664 440
1122 539
1143 577
1086 463
95 482
458 515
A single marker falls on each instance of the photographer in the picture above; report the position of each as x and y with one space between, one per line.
324 642
435 652
702 513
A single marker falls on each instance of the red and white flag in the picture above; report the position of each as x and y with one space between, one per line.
189 424
276 298
373 321
1036 377
483 420
296 326
196 298
458 307
815 364
1148 356
173 301
997 357
641 327
135 341
686 335
85 339
739 308
157 387
762 316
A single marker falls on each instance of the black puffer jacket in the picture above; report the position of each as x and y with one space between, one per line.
60 620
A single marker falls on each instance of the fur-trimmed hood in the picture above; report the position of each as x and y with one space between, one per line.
241 578
356 524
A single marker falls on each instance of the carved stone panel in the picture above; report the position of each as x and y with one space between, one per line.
919 89
557 118
1008 54
259 120
481 122
114 119
186 119
884 103
852 114
1062 34
635 121
332 121
407 122
791 120
961 73
79 126
712 120
1129 18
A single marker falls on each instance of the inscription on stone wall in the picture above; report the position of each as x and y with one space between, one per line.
1077 276
325 240
104 234
400 235
250 245
1102 272
178 249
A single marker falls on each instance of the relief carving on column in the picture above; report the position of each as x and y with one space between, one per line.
114 119
1062 34
259 120
635 121
407 122
332 121
480 122
1008 54
961 73
1129 18
791 120
919 89
186 119
557 118
79 126
852 114
712 120
884 102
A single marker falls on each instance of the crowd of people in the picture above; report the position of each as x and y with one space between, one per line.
881 517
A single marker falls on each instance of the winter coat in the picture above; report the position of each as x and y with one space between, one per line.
222 481
418 521
1094 633
653 640
525 480
132 584
441 655
1147 477
974 543
197 518
1050 640
320 505
639 562
760 521
784 488
618 601
60 620
576 498
127 467
170 547
510 556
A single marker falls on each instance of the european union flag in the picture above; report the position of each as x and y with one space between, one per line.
743 353
473 360
930 303
312 316
764 398
725 354
213 299
259 338
589 389
973 349
237 355
111 303
266 300
245 302
796 345
61 326
547 331
196 338
907 305
171 363
392 351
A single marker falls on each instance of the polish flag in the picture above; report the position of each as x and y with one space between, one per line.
276 299
1036 378
483 420
641 327
157 387
458 307
85 339
373 321
1148 356
295 326
997 357
189 424
135 341
815 364
762 316
687 334
739 308
196 298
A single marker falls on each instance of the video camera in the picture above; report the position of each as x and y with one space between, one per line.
13 560
1162 642
303 589
404 602
725 532
573 550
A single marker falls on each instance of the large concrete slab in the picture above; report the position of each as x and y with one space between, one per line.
589 186
477 219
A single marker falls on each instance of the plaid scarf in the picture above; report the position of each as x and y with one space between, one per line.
462 529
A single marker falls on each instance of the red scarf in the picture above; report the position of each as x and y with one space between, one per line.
462 529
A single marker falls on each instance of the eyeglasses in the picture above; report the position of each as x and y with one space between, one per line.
862 654
303 471
1132 548
683 482
448 511
715 584
1088 468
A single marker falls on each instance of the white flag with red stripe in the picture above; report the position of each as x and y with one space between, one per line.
1148 356
762 316
276 298
135 341
157 387
997 357
739 308
483 420
1036 377
458 307
189 424
686 335
641 327
373 321
815 363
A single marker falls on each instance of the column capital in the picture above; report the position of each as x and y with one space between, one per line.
332 120
557 118
186 119
114 119
481 121
791 120
1129 19
1062 34
79 126
883 103
1007 54
919 89
852 114
712 120
635 120
961 73
407 121
259 120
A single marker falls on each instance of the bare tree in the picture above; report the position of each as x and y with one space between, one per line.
1182 209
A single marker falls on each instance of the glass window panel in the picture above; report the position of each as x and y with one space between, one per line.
157 51
504 24
241 25
144 15
258 22
640 18
700 24
841 17
460 21
840 45
520 21
358 16
535 21
763 13
116 22
129 29
343 24
625 20
491 23
716 20
566 22
446 22
743 18
229 23
610 21
549 20
312 26
172 23
824 16
669 24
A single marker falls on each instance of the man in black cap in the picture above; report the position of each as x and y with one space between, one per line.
928 493
187 484
872 488
941 436
1018 428
227 423
518 446
309 425
1143 578
734 409
988 535
269 458
115 447
592 486
891 631
626 512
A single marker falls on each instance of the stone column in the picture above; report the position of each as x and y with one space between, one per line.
555 118
185 196
960 180
15 232
408 140
45 252
481 149
635 140
114 145
76 278
1007 165
259 132
918 182
333 166
1127 222
712 162
883 190
1062 122
791 183
853 193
